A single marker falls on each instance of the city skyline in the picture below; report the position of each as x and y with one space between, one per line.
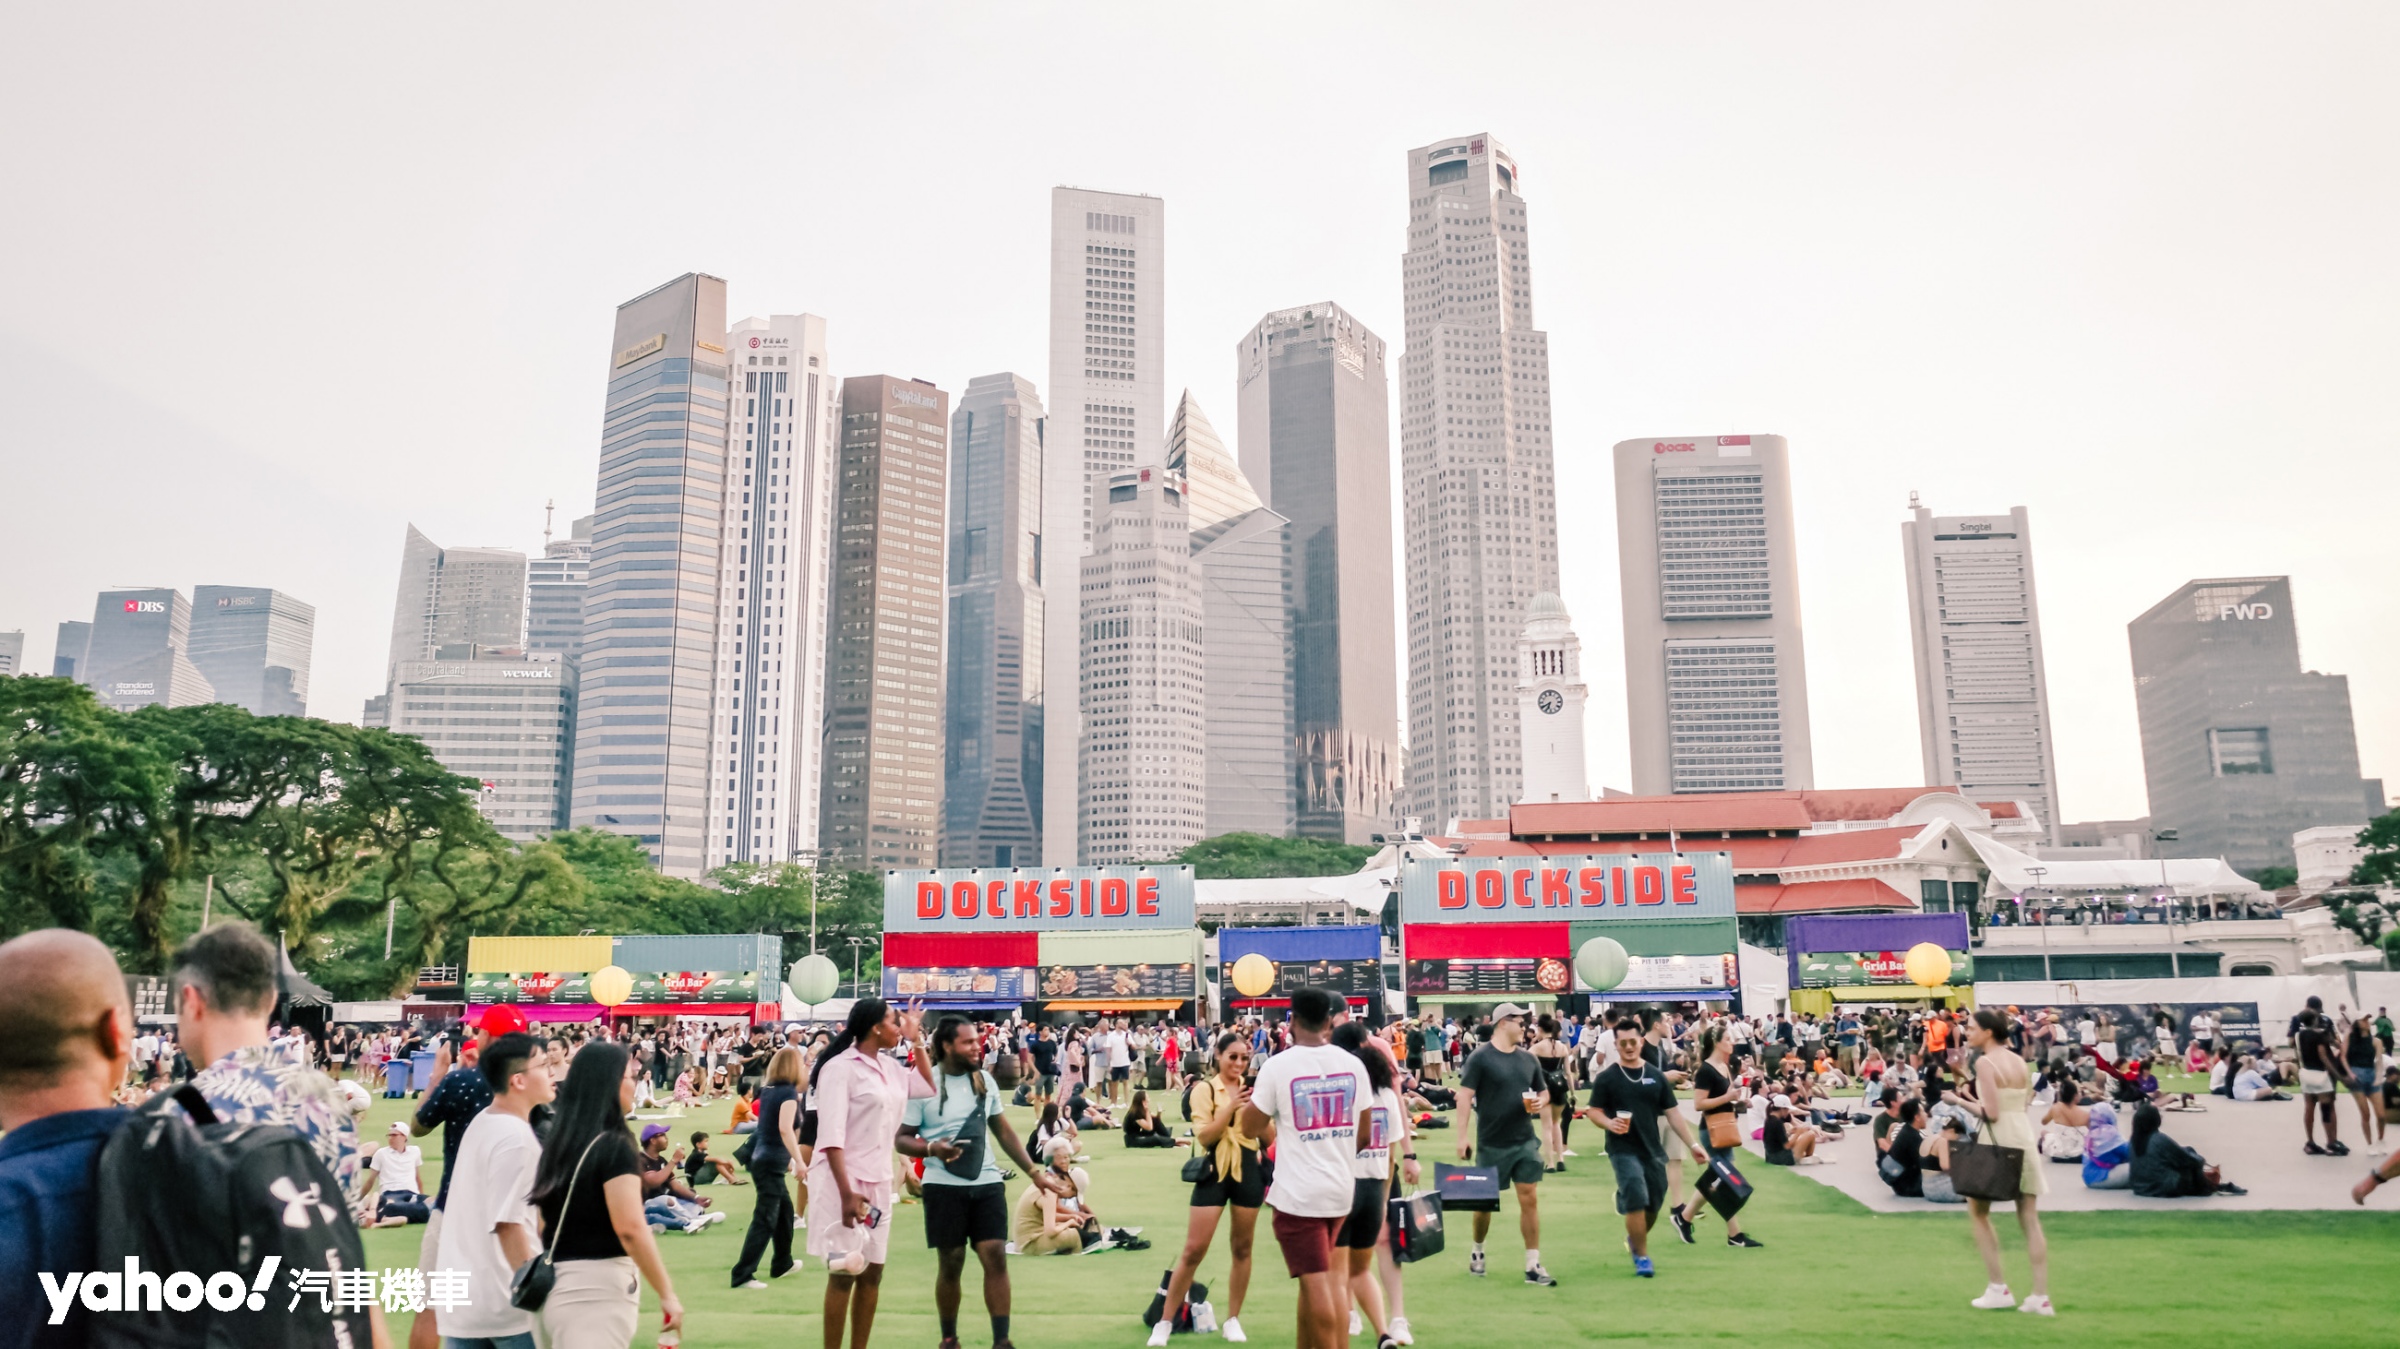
1819 345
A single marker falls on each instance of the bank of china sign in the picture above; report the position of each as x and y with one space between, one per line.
1037 899
1582 888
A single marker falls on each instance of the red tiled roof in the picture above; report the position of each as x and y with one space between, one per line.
1714 811
2001 810
1752 855
1819 897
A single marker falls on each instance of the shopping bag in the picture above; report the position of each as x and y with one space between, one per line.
1467 1189
1415 1224
1987 1171
1723 1187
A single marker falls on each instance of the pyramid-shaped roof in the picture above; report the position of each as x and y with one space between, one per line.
1215 487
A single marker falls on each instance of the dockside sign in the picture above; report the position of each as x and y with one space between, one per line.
1588 887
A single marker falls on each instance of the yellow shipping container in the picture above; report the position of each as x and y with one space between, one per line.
517 955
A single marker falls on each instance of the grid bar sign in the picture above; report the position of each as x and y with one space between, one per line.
1589 887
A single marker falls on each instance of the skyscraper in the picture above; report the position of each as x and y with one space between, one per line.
649 630
1550 698
506 721
12 653
73 637
2241 747
1983 703
882 804
455 597
1475 475
1716 690
774 560
1107 412
992 746
138 652
1242 559
1316 440
1144 751
554 586
254 645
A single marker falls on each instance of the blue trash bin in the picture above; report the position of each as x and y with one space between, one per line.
395 1078
420 1071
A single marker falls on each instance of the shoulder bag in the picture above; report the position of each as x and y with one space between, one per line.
530 1287
1201 1166
972 1131
1986 1171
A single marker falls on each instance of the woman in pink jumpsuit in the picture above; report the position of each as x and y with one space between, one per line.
860 1091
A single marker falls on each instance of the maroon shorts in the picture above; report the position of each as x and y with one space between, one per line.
1307 1242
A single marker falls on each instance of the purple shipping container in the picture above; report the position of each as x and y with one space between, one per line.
1806 933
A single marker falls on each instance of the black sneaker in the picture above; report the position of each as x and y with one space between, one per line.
2231 1189
1683 1226
2313 1150
1745 1241
2338 1148
1540 1277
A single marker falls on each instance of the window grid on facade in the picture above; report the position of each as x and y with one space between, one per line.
1712 546
1724 718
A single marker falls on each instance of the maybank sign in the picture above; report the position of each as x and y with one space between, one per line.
1037 899
1589 887
648 347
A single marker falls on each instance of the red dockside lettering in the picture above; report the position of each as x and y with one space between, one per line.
1558 887
1029 900
1520 887
966 898
1684 882
1145 897
1450 889
1062 897
1115 898
1649 886
996 898
1491 888
1616 884
1595 885
1084 896
929 900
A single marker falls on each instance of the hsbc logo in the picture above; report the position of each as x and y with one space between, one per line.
2245 611
145 606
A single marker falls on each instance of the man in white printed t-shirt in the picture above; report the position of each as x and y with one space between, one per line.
1312 1103
489 1224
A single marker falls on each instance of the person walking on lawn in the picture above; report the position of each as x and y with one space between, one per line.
1503 1089
1715 1093
1630 1097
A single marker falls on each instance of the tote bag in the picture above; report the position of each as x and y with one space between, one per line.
1986 1171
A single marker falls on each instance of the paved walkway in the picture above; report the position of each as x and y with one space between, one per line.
2258 1144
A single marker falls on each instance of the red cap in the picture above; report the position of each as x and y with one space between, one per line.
503 1019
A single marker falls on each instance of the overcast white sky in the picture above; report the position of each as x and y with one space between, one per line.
280 280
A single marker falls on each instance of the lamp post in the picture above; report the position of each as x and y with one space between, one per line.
2037 873
856 943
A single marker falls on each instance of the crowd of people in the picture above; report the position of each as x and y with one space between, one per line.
1310 1115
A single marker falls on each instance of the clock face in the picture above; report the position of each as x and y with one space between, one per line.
1550 701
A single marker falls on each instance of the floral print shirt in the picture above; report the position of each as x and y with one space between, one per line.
266 1084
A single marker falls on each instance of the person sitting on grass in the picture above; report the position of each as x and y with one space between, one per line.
1053 1123
1045 1223
2251 1083
397 1174
1902 1165
2166 1169
1938 1188
2107 1159
1085 1113
701 1169
2064 1125
1144 1127
745 1112
1789 1143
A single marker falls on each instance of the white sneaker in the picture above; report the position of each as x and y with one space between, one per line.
1570 1152
1232 1331
755 1283
715 1218
2038 1305
1399 1331
1996 1298
1160 1332
1357 1322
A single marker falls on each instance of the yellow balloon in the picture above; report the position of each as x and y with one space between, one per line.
611 986
1253 975
1928 965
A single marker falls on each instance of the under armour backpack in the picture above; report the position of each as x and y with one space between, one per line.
185 1194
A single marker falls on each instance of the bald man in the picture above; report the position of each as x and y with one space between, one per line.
66 1036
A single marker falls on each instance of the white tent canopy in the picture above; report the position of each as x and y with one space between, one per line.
2012 872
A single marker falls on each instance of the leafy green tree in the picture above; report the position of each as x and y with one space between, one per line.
1242 856
2381 839
2276 878
73 789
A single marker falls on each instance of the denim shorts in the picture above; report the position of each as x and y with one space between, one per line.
1641 1182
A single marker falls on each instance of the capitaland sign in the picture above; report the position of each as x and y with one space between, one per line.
1037 899
910 398
1582 888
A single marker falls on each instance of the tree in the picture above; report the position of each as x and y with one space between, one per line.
73 788
2276 878
1241 856
2381 839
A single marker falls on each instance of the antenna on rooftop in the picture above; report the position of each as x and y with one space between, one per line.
1912 499
551 506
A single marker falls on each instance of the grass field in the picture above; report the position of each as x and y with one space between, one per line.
1832 1273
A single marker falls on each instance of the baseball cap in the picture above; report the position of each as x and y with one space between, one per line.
1782 1101
1506 1010
398 1127
503 1019
650 1131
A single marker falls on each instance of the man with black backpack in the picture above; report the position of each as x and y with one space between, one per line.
69 1037
966 1201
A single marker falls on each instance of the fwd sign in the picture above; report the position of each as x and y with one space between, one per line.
2245 611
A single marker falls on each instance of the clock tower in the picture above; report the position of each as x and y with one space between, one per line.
1550 697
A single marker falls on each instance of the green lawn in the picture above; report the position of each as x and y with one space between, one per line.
1832 1273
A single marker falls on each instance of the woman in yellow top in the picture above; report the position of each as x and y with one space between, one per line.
1236 1175
2004 1095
